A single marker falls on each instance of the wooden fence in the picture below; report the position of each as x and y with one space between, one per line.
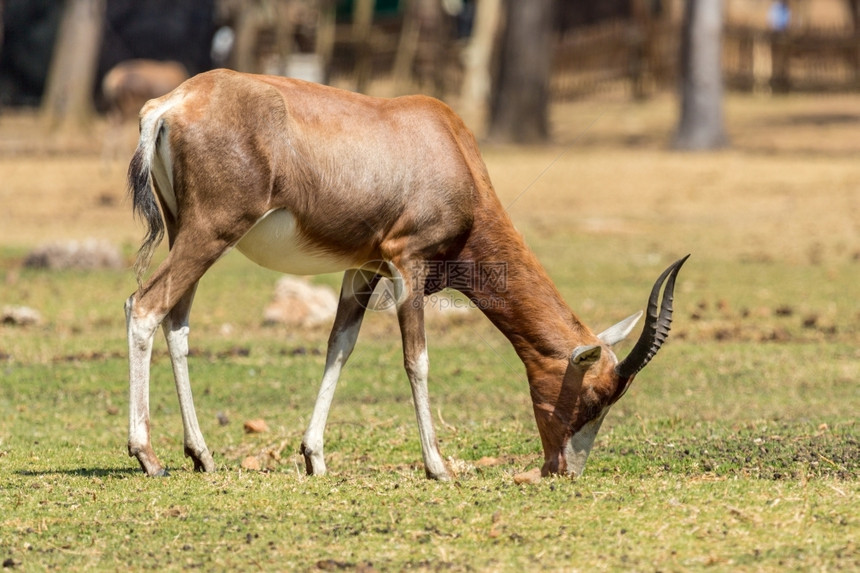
622 55
638 57
614 55
811 60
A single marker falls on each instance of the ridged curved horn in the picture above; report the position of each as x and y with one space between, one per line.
657 326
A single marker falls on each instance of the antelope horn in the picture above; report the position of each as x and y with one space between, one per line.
657 326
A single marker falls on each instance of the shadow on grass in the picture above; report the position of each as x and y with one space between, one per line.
780 452
83 472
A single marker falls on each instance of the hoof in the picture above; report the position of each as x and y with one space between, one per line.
204 467
202 462
311 468
148 462
162 473
438 476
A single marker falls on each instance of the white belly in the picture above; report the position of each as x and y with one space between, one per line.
274 243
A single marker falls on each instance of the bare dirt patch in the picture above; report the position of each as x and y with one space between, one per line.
787 189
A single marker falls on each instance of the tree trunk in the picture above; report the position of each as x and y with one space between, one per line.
407 48
68 98
854 10
421 49
362 25
1 28
701 125
477 59
285 31
325 37
243 57
520 109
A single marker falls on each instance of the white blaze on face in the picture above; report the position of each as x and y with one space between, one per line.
579 445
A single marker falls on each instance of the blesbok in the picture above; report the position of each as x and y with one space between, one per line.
130 84
304 178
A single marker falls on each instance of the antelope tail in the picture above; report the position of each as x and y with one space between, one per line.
144 202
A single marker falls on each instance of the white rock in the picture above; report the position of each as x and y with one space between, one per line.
87 254
20 316
297 302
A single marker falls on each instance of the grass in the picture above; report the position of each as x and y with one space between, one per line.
736 449
663 489
667 487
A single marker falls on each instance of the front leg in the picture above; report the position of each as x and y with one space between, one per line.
140 334
410 313
355 295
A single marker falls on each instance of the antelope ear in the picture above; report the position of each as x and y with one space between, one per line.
585 356
616 333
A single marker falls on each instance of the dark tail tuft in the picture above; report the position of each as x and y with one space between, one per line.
145 207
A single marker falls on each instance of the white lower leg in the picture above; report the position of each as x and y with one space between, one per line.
195 446
312 443
354 295
418 374
140 335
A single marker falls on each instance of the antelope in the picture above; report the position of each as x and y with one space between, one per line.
129 85
304 178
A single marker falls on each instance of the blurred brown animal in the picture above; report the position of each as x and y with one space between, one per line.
129 85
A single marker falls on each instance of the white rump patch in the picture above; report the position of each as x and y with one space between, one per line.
155 145
275 243
162 171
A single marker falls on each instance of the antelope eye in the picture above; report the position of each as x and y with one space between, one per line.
591 405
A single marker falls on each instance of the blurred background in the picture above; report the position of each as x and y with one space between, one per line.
501 64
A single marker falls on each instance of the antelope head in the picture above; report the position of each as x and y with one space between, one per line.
594 380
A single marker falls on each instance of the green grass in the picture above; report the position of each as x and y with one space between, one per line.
732 451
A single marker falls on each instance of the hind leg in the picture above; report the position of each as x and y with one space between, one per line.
140 333
176 330
166 298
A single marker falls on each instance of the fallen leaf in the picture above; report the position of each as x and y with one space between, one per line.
531 476
257 426
251 463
